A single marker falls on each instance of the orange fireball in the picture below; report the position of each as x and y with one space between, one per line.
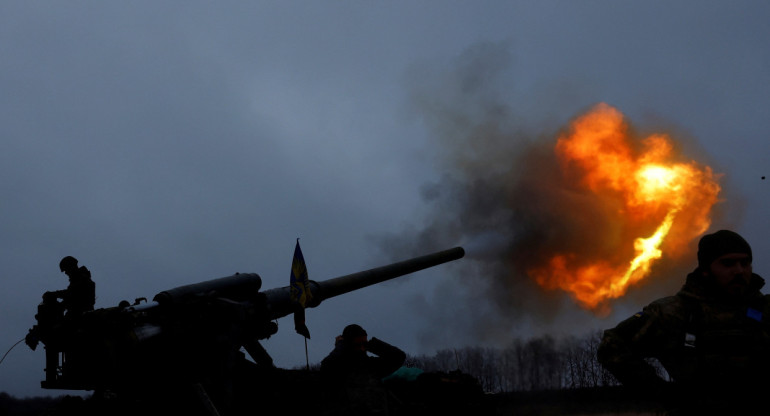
661 203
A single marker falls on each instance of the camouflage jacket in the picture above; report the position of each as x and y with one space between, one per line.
699 337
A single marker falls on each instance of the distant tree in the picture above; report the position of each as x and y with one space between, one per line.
480 363
583 369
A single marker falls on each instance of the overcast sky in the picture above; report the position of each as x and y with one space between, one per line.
166 143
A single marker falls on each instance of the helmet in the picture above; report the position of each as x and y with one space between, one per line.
353 331
68 263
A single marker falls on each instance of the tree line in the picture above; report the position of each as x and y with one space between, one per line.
536 364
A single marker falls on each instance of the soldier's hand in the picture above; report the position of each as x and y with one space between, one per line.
50 297
32 339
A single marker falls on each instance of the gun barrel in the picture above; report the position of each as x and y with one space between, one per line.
240 286
348 283
279 300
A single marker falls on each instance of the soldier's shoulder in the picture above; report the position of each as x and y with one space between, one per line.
666 303
670 306
333 359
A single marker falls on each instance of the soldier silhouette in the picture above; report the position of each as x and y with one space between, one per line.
712 337
356 377
80 295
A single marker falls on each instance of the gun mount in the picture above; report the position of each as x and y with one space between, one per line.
187 341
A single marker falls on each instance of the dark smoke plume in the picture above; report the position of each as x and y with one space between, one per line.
504 198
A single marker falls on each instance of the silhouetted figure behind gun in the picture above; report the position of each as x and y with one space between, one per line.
356 377
80 295
56 319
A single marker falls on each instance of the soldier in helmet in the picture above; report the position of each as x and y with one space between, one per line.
712 337
57 320
80 295
356 376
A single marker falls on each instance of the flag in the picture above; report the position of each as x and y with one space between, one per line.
299 288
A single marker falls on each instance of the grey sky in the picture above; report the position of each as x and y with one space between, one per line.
165 143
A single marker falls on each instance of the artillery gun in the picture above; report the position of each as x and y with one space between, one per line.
183 350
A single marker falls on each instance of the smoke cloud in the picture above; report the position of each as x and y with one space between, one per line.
505 199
